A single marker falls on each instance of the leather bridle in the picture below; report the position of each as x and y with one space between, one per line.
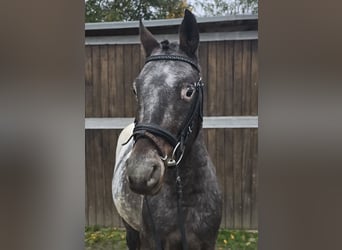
178 142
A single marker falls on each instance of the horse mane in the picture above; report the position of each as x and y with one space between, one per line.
165 44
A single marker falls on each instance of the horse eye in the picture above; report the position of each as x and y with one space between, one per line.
189 92
134 91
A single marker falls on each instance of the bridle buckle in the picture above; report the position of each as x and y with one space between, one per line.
172 162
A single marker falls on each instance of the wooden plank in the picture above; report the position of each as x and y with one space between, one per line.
107 154
90 172
254 79
98 173
254 170
237 89
212 84
220 171
113 104
246 179
127 61
96 81
119 77
246 77
228 77
104 81
228 194
220 79
237 162
88 82
87 178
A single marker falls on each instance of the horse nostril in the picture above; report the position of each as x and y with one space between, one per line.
151 182
130 181
153 178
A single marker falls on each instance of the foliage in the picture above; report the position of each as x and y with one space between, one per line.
224 7
113 238
128 10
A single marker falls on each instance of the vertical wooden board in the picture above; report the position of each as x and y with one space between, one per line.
104 80
246 77
212 85
108 152
203 61
90 175
228 194
112 101
237 161
246 179
237 89
96 81
220 171
88 82
127 56
254 78
220 78
254 159
119 77
99 178
228 77
87 179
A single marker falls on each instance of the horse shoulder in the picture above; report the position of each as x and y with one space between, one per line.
127 203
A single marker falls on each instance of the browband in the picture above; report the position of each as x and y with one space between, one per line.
172 58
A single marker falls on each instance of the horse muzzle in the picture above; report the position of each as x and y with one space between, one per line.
145 175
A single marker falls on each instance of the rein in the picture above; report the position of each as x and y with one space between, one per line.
178 142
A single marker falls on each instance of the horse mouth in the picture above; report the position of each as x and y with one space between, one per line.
147 189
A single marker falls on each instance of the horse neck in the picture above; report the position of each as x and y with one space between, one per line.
194 160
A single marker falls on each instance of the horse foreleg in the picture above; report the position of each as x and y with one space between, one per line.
132 237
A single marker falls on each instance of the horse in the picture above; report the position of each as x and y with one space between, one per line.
164 184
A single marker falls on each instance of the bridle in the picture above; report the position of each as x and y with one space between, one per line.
178 142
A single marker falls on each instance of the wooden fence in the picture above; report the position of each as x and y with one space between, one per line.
228 56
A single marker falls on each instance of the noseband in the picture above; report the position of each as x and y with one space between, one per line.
179 141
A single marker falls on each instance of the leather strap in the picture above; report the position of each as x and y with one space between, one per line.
173 58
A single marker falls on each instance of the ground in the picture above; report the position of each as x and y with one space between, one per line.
105 238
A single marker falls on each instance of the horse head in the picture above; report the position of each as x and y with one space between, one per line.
169 97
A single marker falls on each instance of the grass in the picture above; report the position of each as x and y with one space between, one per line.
105 238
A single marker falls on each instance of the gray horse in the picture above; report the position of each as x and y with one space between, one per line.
164 184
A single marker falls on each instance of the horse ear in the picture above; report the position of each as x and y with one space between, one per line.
189 34
147 40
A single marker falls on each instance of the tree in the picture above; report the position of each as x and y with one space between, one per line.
227 7
127 10
94 10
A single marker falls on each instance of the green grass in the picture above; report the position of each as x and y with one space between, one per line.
105 238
